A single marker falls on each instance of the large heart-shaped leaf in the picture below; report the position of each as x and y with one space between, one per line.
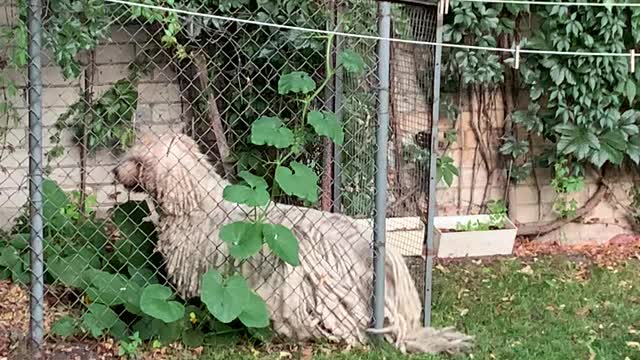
282 242
252 192
272 131
9 256
244 238
255 314
302 182
326 124
296 82
156 302
225 298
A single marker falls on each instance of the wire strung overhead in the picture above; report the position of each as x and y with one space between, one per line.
378 38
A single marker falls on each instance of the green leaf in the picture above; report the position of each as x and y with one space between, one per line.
142 277
633 149
99 318
282 242
297 82
70 270
65 326
351 61
326 124
9 256
225 299
156 302
255 314
630 90
192 338
302 182
112 289
20 241
253 192
244 239
54 200
271 131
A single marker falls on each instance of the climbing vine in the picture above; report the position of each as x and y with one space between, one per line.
581 108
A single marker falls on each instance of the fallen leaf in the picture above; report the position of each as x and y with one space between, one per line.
633 344
284 355
527 270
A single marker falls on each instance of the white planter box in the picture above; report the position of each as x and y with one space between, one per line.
471 243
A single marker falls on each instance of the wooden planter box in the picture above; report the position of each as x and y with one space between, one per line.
471 243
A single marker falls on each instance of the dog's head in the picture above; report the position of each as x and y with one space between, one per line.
167 167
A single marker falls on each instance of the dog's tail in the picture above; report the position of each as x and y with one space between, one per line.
403 327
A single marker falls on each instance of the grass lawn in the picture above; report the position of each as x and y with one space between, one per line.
552 308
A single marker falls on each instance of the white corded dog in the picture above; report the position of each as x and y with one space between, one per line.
328 296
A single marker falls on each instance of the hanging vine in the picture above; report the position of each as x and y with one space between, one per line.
581 107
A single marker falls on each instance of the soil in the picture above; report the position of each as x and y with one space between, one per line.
456 230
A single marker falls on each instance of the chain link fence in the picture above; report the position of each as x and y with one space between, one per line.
112 72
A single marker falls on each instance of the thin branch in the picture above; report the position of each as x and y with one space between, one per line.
215 121
537 229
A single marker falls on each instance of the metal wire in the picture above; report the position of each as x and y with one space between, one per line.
371 37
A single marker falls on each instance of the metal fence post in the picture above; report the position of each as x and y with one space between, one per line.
36 326
382 137
433 156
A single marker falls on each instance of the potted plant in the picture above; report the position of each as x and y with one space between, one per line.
475 235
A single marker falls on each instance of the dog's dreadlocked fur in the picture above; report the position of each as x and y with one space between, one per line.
327 296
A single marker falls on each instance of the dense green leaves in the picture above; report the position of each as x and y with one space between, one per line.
271 131
326 124
100 318
224 298
156 302
301 182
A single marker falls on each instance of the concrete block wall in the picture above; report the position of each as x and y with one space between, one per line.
158 110
608 219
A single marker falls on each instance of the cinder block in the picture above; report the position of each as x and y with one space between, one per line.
144 114
154 93
115 54
109 74
167 113
16 138
129 34
13 197
164 73
13 177
60 96
14 158
525 195
100 175
67 177
52 76
103 158
447 196
8 216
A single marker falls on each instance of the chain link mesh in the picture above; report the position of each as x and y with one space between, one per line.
134 80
